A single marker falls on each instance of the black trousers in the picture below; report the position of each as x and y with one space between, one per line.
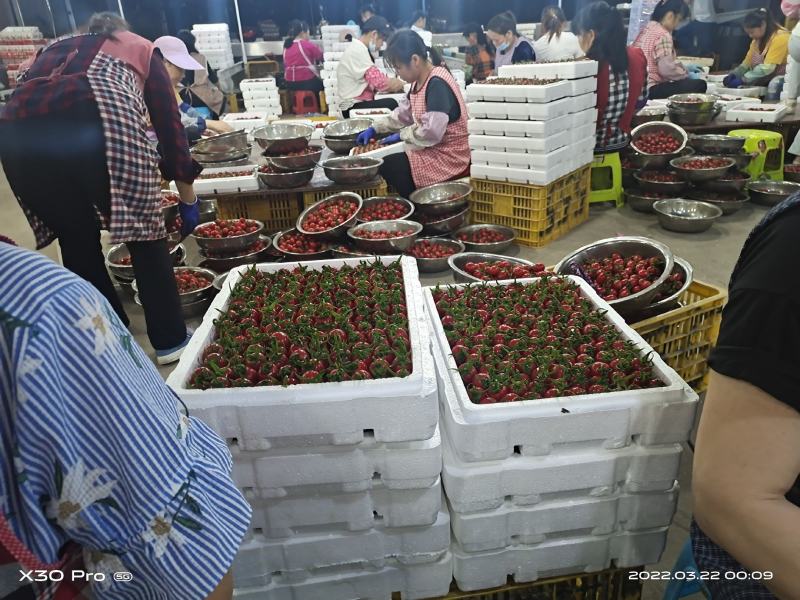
684 86
56 166
309 85
396 170
389 103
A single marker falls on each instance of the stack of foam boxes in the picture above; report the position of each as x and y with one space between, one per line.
534 134
261 96
559 486
343 478
333 45
18 44
213 40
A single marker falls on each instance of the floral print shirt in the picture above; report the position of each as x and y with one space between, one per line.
95 448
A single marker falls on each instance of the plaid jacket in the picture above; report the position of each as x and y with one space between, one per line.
480 61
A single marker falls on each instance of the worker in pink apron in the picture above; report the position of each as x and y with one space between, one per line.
431 120
300 59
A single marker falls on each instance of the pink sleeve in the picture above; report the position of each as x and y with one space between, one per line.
670 69
376 80
432 127
313 51
790 8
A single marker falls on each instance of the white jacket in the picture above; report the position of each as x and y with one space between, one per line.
791 84
356 61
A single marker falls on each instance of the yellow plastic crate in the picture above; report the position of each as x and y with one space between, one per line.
539 214
278 211
377 188
684 337
611 584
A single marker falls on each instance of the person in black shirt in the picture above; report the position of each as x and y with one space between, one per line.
511 47
747 459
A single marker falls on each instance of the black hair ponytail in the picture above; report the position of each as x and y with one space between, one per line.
295 28
664 7
757 18
553 20
404 44
609 34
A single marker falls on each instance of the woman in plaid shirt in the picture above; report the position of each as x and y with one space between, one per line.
479 52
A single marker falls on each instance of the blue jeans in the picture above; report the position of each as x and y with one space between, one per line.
696 39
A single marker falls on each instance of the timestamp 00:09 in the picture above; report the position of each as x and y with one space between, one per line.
700 575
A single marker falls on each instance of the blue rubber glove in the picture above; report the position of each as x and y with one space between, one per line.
390 139
732 81
190 216
365 136
694 68
695 75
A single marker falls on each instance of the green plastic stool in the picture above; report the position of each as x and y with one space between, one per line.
769 146
606 179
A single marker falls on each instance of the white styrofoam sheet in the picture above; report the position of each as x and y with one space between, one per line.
412 582
383 151
568 70
517 160
522 111
293 515
489 92
290 471
502 143
582 133
369 112
395 409
584 85
259 557
512 128
742 114
246 180
514 175
583 117
477 571
509 525
265 83
482 432
246 121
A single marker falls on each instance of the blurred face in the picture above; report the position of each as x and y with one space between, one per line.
175 73
366 15
472 39
421 22
671 21
757 33
585 40
499 39
412 71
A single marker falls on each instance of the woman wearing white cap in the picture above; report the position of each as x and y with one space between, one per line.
177 61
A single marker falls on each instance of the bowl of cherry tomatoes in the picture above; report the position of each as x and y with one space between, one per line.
669 296
655 144
443 224
194 284
257 252
302 160
472 267
169 205
118 260
432 253
661 182
331 217
299 246
274 178
702 168
485 238
385 208
349 170
385 237
228 235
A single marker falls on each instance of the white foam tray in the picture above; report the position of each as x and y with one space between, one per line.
246 121
511 128
509 525
526 176
261 94
383 150
333 56
412 582
395 409
263 83
259 557
490 92
584 117
582 153
481 432
757 116
532 160
290 472
585 85
502 143
246 182
559 557
357 511
528 111
582 133
563 70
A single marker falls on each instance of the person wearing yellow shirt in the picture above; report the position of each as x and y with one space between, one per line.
767 55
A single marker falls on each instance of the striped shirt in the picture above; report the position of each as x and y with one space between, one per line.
95 449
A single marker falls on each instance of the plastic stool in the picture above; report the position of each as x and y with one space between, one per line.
305 102
606 179
769 146
685 564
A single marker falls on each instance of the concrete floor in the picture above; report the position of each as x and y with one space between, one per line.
712 254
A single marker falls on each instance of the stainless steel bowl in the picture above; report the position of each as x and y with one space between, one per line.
793 176
742 159
627 177
368 202
226 143
346 128
120 251
727 185
208 210
189 310
686 216
170 211
193 296
436 265
729 202
494 247
338 231
649 114
651 161
219 280
126 285
222 159
639 202
770 193
229 244
283 181
456 263
698 175
340 146
691 118
283 137
296 255
672 188
658 127
228 262
626 246
291 164
441 198
693 102
396 245
446 225
349 170
347 251
673 300
716 144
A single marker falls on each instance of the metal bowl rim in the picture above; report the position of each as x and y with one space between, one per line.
715 209
308 210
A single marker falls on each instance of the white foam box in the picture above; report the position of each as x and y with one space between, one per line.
339 28
584 85
261 94
560 70
514 175
395 409
477 571
356 511
490 92
246 180
207 27
522 111
743 113
260 83
412 582
519 129
332 56
509 525
247 121
583 133
260 557
330 65
584 117
583 153
286 472
532 160
383 151
481 432
501 143
265 107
